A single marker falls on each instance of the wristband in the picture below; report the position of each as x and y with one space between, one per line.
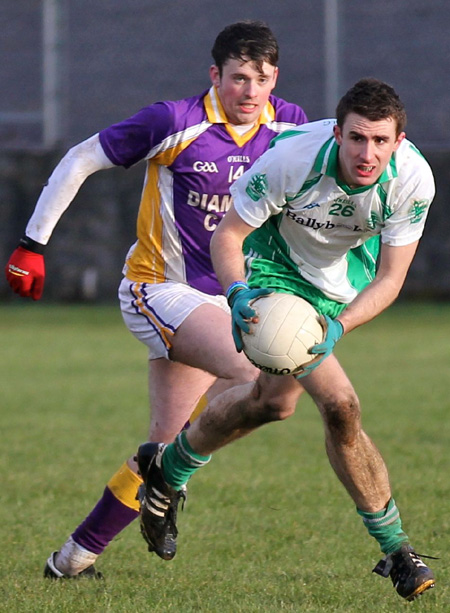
233 288
28 243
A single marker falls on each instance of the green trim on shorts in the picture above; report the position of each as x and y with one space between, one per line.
265 273
268 264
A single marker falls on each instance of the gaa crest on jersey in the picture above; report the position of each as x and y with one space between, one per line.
200 166
257 187
417 210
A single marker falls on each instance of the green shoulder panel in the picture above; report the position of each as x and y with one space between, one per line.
286 134
362 263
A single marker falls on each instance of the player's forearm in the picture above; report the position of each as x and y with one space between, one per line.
384 289
369 303
64 183
227 258
226 248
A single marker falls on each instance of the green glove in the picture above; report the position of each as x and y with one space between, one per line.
333 333
239 296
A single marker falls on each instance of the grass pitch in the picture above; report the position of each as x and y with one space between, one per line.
267 526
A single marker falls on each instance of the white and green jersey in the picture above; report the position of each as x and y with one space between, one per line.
311 223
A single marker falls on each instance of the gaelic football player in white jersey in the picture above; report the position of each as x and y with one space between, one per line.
311 215
170 297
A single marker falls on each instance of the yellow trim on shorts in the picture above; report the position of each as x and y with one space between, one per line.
124 485
165 333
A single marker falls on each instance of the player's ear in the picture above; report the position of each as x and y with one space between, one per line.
214 74
399 140
337 134
275 75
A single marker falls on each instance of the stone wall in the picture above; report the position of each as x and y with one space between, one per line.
86 253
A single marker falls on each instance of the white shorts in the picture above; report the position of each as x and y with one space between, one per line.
154 311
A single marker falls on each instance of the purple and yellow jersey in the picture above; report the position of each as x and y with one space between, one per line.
193 155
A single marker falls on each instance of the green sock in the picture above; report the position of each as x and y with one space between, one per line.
386 527
180 461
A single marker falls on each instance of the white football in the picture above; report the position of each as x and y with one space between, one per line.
287 329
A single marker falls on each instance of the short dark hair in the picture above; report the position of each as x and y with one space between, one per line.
374 100
246 40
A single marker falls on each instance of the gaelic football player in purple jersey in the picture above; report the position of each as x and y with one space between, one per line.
193 150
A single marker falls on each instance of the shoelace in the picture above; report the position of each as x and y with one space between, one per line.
385 565
173 511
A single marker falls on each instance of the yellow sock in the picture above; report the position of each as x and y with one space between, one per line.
198 409
124 485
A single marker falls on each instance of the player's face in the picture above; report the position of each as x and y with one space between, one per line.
365 148
243 89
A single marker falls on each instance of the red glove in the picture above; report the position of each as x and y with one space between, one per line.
25 272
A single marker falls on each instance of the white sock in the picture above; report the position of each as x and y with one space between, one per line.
72 558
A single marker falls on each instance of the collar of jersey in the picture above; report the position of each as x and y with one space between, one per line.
327 164
216 114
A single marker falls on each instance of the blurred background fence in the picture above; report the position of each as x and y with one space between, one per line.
72 67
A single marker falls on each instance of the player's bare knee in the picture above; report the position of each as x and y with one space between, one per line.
268 411
342 417
279 409
270 404
244 373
